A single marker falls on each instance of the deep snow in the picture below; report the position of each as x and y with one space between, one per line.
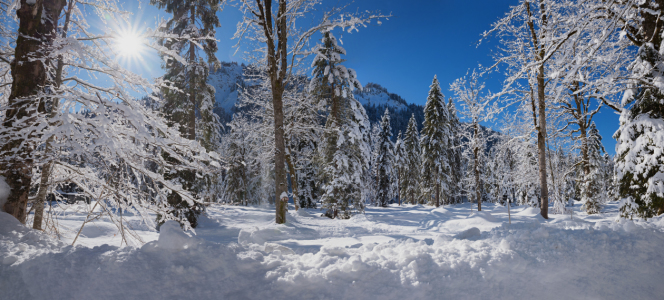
408 252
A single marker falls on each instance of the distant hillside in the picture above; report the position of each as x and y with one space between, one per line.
372 94
374 97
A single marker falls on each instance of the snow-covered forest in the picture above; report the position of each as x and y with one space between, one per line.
283 176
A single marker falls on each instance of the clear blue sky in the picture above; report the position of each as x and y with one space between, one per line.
423 38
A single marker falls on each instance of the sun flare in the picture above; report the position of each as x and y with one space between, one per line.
129 44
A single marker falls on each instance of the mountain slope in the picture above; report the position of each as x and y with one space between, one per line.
375 98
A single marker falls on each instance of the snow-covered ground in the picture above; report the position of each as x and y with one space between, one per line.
407 252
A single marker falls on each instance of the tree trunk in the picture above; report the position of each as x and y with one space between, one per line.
556 188
399 187
541 144
437 194
477 172
37 24
41 195
46 169
584 148
278 77
281 203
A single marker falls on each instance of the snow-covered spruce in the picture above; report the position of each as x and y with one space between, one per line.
435 143
384 169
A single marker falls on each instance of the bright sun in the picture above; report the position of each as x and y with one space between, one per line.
129 44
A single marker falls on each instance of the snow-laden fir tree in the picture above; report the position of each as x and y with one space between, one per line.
328 85
590 181
371 178
456 160
384 168
189 100
435 143
411 180
640 154
344 190
640 147
400 166
344 146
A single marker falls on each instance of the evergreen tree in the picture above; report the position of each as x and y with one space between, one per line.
400 166
344 148
411 179
591 182
435 145
384 168
455 153
640 151
371 178
189 100
640 148
331 83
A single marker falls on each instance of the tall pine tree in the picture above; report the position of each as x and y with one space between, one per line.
590 181
384 168
344 148
411 179
435 145
189 100
400 166
455 154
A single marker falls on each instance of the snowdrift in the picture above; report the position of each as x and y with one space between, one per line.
518 261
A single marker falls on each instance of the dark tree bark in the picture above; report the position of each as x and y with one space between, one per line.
437 194
46 169
277 65
541 144
540 101
477 172
37 24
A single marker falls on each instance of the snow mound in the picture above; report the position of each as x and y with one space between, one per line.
4 193
19 243
98 229
256 236
440 211
172 237
500 209
484 215
468 233
529 211
359 218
